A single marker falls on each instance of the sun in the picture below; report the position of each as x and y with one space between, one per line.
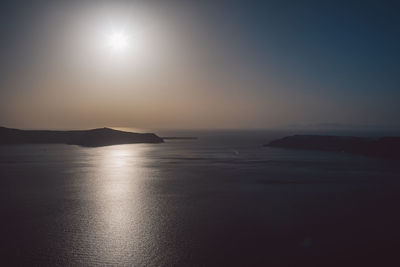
117 41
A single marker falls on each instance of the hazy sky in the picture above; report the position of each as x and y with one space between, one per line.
199 64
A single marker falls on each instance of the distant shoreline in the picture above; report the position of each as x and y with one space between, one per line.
384 147
180 138
87 138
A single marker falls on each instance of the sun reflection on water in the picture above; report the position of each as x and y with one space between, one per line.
118 185
119 202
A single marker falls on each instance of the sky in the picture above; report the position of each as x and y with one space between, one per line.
199 64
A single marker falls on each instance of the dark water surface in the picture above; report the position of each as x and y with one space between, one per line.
222 200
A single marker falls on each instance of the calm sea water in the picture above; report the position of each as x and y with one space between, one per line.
222 200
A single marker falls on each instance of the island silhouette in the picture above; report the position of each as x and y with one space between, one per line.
385 147
87 138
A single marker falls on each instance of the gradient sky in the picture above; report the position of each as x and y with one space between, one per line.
200 64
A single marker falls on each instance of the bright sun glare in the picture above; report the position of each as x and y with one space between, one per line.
117 41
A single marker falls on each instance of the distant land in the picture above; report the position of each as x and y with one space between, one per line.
180 138
87 138
385 147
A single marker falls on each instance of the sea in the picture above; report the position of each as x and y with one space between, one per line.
221 200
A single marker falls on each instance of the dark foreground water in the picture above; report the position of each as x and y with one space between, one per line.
222 200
